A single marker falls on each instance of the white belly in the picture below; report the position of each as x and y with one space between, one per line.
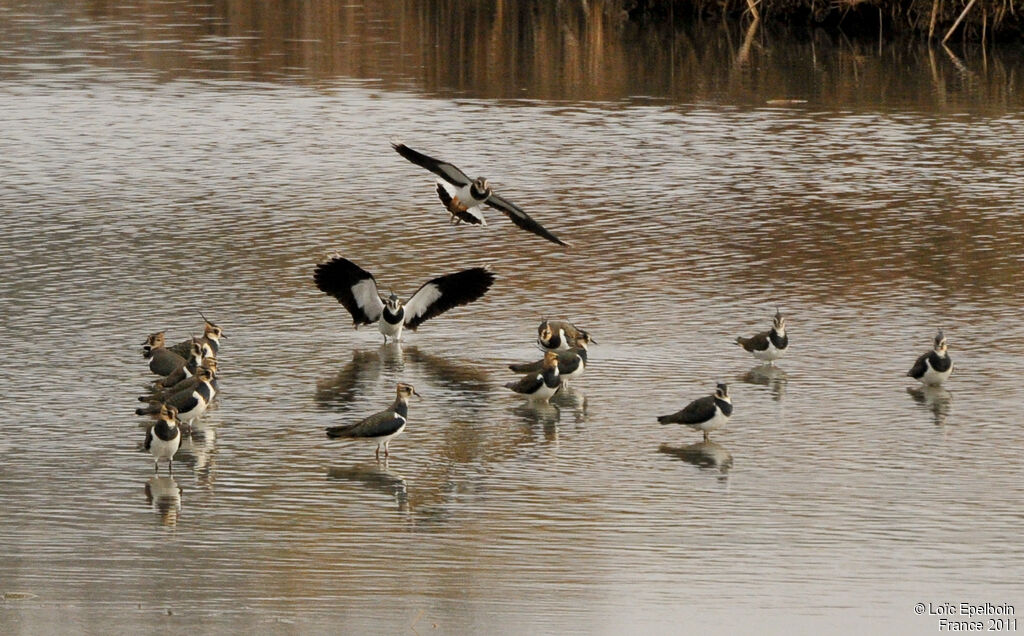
188 416
720 419
544 393
770 354
164 450
390 330
932 377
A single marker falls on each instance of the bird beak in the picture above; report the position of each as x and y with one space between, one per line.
416 393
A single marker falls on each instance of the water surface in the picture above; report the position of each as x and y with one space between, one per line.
167 158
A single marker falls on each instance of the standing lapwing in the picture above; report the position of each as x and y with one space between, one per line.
934 367
541 385
190 402
571 362
704 414
462 196
160 393
560 334
200 350
164 362
379 427
768 346
163 438
356 289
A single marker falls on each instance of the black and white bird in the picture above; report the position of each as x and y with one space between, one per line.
381 427
164 437
462 196
768 346
161 393
539 386
164 362
190 403
356 290
704 414
934 367
560 334
199 351
571 362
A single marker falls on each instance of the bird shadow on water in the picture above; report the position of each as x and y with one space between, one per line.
770 376
704 455
368 365
375 476
164 495
935 399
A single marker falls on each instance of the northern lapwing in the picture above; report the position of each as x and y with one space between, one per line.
540 386
164 437
571 362
380 427
200 350
934 367
704 414
212 334
462 196
559 334
164 362
190 403
356 290
161 393
153 341
768 346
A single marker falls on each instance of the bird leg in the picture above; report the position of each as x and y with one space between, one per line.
170 466
705 437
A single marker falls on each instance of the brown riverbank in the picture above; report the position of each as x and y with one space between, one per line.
942 20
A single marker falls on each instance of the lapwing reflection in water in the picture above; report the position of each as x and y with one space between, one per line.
452 373
542 414
374 476
571 400
934 398
198 450
164 494
362 372
704 455
770 376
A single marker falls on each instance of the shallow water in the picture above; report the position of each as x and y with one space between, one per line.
167 158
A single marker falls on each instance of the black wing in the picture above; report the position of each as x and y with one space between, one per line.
918 370
700 410
149 437
443 169
377 425
568 361
444 292
528 385
164 362
754 343
520 218
354 287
